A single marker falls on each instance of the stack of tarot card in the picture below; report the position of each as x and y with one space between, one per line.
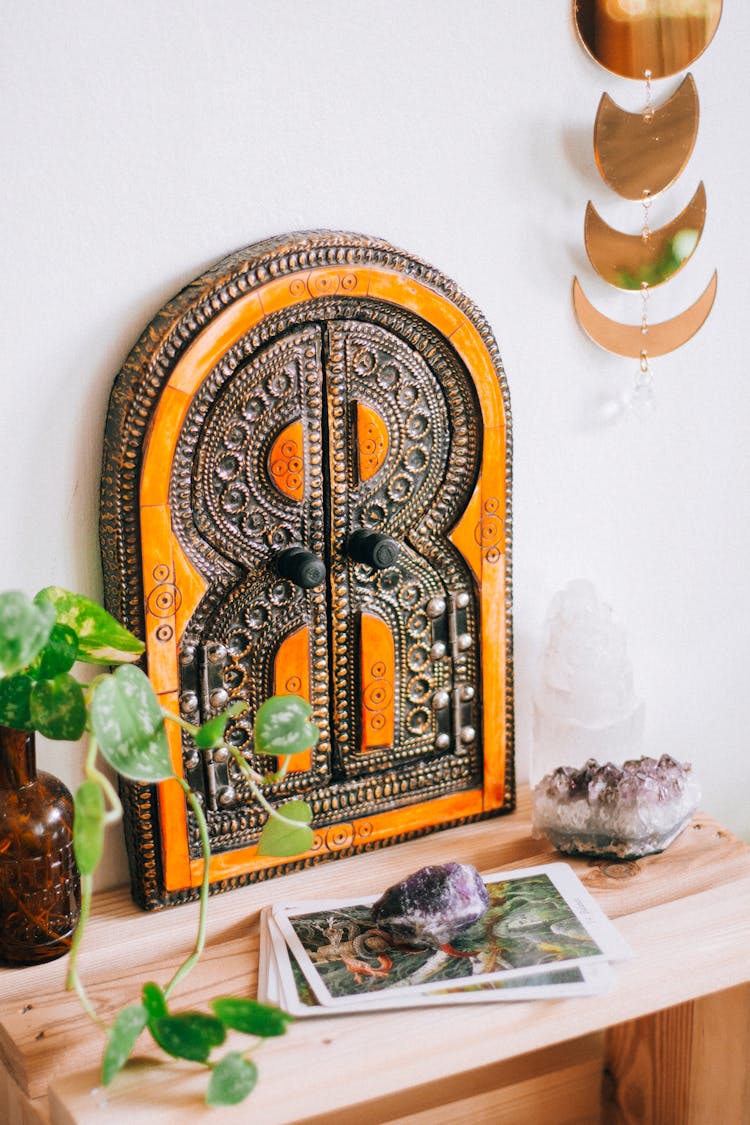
542 936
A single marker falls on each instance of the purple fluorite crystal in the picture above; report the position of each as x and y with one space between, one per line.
433 905
626 811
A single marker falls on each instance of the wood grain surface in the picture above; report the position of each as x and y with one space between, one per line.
685 915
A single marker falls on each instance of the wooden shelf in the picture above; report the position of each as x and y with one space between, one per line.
672 1039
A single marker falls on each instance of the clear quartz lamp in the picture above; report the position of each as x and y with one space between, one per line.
594 791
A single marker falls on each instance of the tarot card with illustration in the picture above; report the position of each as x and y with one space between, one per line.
282 982
539 920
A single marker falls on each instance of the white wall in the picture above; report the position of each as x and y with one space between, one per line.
143 141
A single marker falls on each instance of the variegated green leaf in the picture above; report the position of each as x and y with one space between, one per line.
58 655
101 639
232 1079
58 708
282 726
280 838
88 826
188 1035
24 630
127 1027
15 702
128 724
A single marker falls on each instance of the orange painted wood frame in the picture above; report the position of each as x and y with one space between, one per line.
172 588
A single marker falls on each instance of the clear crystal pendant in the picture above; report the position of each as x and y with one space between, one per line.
642 402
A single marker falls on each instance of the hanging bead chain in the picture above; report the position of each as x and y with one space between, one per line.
644 373
646 202
648 109
643 392
648 115
642 398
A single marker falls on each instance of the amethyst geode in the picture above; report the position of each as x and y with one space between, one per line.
626 811
433 905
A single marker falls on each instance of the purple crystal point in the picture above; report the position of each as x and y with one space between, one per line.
433 905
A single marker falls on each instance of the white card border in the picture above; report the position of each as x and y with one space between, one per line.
266 960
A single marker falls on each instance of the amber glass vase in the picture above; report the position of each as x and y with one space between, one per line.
40 893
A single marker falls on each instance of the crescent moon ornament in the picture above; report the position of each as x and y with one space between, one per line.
630 339
630 37
641 154
628 261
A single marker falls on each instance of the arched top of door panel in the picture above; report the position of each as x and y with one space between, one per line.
248 296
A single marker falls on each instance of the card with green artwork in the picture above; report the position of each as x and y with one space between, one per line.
282 982
539 920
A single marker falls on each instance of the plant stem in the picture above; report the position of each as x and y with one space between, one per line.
200 940
192 730
183 724
115 811
72 980
94 774
283 768
91 753
251 776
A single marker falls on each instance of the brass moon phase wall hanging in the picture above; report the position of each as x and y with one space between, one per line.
630 37
642 154
628 261
630 339
639 155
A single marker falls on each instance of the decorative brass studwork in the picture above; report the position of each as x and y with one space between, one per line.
639 155
304 389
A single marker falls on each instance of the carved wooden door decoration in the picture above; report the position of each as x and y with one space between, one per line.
306 490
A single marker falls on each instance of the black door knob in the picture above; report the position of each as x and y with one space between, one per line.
301 567
373 548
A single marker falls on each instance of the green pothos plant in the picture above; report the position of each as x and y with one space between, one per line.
124 723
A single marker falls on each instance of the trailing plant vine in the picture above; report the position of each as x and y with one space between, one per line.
124 722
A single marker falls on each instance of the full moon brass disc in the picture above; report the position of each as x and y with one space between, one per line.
630 37
641 155
630 260
629 339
